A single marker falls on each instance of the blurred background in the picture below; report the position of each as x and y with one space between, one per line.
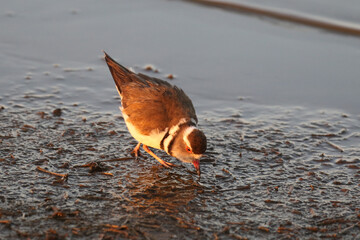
217 56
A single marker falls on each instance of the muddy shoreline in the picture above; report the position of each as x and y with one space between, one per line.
277 101
265 175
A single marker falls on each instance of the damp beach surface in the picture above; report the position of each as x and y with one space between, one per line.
278 102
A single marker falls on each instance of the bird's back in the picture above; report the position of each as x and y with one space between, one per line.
150 103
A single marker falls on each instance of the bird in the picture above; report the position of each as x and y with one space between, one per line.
158 115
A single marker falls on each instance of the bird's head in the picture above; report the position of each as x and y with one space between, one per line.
189 146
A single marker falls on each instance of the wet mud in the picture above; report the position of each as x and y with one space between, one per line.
269 173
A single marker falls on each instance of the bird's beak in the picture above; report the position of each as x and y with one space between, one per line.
196 163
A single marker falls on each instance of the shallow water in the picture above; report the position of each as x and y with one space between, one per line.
278 103
215 55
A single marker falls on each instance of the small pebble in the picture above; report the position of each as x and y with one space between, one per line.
28 76
57 112
149 67
170 76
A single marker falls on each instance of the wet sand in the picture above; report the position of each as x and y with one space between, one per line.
269 172
278 102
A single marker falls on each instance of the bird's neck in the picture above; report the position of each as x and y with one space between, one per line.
178 130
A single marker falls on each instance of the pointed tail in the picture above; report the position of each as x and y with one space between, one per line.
119 73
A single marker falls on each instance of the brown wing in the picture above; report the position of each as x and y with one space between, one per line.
162 104
149 102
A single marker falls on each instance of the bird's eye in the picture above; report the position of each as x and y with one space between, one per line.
188 149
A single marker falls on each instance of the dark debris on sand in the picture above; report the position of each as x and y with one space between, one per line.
289 175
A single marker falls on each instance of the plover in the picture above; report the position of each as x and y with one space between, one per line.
158 115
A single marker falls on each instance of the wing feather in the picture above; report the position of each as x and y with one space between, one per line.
150 103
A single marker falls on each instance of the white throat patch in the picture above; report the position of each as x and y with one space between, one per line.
172 132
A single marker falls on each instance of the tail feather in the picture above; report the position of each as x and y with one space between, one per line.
119 73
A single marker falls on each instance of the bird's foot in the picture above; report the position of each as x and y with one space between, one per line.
167 164
136 152
164 163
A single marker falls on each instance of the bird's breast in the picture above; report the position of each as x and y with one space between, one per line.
151 139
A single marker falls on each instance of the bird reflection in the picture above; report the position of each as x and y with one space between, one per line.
155 190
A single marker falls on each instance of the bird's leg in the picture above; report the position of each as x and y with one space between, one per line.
136 152
166 164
